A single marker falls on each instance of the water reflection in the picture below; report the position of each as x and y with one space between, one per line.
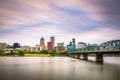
57 68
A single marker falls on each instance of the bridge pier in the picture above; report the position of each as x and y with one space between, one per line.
73 55
78 56
85 56
99 57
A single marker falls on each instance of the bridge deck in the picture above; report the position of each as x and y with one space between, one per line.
104 52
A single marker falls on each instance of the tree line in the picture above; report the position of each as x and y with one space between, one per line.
22 52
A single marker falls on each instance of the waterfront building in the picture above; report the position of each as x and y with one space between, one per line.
71 46
33 49
94 44
49 46
60 47
7 51
0 45
37 48
69 49
3 45
42 44
26 48
52 39
81 45
60 44
16 45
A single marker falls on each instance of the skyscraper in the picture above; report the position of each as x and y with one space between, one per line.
49 46
42 44
52 39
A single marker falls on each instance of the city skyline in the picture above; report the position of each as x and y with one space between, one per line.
89 21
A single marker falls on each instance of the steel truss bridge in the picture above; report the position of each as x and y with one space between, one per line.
112 46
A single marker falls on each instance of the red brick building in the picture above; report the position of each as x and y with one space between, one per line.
49 46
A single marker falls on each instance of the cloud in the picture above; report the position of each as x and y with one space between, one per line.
32 35
107 11
86 20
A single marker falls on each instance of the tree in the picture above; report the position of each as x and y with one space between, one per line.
63 53
21 53
1 51
53 53
11 52
9 46
44 52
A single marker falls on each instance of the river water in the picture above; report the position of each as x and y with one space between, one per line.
58 68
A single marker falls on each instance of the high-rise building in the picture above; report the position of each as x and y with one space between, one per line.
49 46
16 45
42 44
52 39
3 45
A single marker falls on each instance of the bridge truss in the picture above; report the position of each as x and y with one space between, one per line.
113 45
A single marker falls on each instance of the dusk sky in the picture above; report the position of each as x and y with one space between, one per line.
90 21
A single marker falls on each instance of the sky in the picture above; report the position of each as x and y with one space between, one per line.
90 21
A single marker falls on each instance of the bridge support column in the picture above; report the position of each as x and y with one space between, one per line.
73 55
85 56
99 57
70 55
78 56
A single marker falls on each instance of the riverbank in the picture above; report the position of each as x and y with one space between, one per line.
38 55
32 55
43 53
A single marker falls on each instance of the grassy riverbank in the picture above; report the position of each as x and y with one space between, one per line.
43 53
39 55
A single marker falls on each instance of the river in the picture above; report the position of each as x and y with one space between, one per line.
58 68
